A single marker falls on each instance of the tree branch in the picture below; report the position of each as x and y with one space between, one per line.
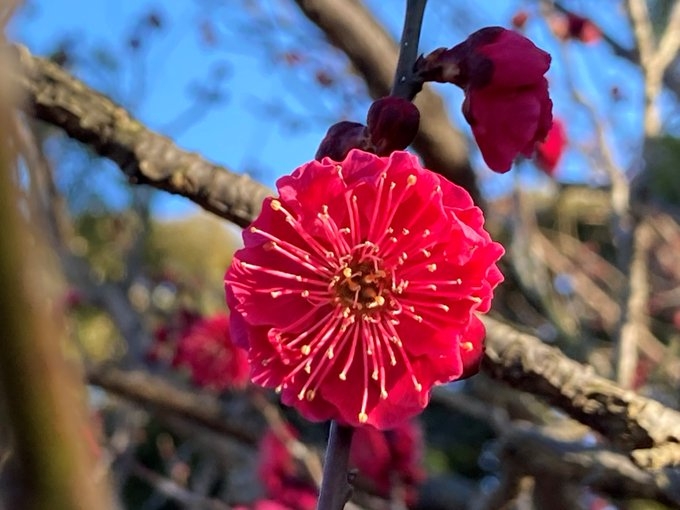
628 420
146 157
152 391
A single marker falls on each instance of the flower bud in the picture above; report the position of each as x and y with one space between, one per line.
342 138
392 124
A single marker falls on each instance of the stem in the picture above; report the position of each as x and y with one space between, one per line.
335 489
405 85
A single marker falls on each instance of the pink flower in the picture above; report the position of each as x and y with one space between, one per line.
391 459
506 95
207 351
357 288
283 478
549 152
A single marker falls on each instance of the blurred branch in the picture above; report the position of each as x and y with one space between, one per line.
635 321
654 59
604 470
350 26
50 210
176 492
42 398
154 392
146 157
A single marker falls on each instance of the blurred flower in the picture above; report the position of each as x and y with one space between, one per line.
207 351
549 152
572 26
391 460
520 19
357 288
167 336
283 478
506 95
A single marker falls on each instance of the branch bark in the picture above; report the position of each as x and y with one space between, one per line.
628 420
146 157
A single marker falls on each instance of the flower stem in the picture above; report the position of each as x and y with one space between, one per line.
406 84
335 488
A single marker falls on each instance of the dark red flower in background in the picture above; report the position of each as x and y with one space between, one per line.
212 359
391 460
357 288
283 477
506 95
549 152
573 26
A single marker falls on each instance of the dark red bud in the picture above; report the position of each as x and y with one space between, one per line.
392 124
342 138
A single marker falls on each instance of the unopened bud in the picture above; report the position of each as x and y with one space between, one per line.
392 124
342 138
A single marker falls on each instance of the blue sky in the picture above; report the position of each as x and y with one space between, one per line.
246 132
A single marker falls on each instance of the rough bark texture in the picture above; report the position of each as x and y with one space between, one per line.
146 157
625 418
352 28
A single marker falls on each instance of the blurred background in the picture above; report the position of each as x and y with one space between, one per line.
134 274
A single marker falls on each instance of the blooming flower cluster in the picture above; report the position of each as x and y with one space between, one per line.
358 285
506 95
207 351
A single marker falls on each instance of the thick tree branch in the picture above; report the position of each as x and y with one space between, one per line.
352 28
146 157
625 418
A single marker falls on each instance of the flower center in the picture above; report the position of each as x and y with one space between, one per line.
361 287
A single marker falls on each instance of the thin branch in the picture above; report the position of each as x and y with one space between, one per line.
176 492
349 25
634 318
156 393
404 85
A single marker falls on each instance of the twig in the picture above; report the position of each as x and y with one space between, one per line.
373 52
634 319
654 59
404 84
146 157
173 490
335 487
296 448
